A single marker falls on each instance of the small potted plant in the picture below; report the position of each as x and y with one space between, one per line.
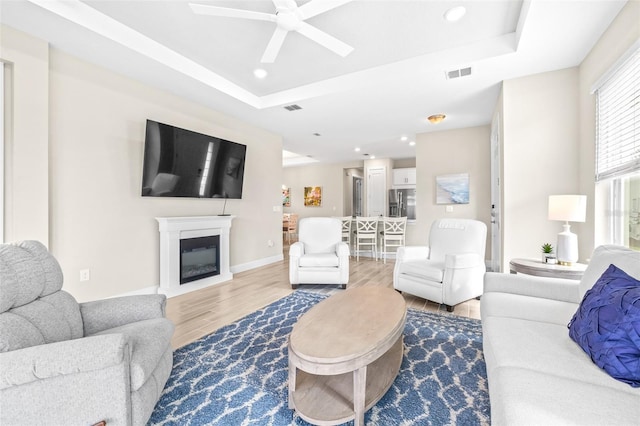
547 253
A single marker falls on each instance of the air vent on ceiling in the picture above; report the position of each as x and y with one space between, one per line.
462 72
293 107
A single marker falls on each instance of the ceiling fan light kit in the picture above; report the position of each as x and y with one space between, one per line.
288 17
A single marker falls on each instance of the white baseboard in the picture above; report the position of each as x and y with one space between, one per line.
147 290
256 263
234 270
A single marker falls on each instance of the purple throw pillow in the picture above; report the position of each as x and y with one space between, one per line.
607 325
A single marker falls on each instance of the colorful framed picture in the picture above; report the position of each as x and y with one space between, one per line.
313 196
286 197
452 189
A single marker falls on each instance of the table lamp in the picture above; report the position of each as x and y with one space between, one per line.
569 208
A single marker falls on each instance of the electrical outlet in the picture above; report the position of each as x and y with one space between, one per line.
270 243
85 274
449 209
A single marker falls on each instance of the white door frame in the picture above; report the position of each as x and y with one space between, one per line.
496 207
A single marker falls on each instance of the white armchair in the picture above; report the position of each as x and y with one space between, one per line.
320 256
448 271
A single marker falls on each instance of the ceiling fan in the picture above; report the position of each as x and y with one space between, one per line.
288 17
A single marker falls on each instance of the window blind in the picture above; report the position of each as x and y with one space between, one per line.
618 121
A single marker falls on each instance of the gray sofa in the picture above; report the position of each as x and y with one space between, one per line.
537 374
69 363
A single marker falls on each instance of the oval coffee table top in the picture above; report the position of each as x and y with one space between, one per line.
349 325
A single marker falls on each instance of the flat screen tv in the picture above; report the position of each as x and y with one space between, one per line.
182 163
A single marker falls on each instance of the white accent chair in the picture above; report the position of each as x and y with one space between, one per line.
451 269
392 235
320 256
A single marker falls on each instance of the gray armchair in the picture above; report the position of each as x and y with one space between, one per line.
70 363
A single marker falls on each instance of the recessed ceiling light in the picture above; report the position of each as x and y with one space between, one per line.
357 149
403 138
260 73
455 13
412 143
373 157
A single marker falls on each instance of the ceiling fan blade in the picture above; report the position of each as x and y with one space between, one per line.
273 48
284 4
316 7
205 9
324 39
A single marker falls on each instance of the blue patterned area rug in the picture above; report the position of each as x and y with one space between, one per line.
238 375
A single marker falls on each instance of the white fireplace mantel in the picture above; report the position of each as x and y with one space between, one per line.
172 230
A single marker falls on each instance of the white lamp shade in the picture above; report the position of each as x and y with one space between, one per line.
569 208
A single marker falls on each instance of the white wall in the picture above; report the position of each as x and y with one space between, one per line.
94 138
26 214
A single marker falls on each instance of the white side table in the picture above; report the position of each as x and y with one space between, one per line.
540 269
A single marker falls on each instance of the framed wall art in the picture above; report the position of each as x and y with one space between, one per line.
452 189
286 197
313 196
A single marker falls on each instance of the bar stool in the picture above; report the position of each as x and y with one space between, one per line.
367 235
392 235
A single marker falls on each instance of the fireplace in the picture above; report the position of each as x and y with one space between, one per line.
194 253
199 258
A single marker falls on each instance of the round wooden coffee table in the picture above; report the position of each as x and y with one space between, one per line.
345 353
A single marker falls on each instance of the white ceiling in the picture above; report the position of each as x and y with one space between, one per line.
385 89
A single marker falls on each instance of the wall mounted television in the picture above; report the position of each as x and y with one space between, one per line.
182 163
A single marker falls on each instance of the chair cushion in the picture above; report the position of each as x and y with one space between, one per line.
607 325
425 269
319 259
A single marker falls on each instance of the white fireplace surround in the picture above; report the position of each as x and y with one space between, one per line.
172 230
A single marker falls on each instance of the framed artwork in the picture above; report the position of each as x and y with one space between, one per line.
286 198
313 196
452 189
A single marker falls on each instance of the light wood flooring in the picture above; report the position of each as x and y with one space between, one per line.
201 312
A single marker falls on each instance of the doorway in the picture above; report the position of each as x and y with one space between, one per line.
357 201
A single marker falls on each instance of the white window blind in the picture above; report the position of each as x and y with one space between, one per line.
618 121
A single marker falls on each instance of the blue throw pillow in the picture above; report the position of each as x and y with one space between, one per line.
607 325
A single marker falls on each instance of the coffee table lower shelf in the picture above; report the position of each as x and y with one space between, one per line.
330 399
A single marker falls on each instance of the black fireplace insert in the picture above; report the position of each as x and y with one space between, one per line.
199 258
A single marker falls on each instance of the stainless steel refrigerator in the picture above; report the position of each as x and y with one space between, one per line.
402 202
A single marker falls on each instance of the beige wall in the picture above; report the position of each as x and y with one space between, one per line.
540 145
329 176
451 152
98 220
621 34
26 130
456 151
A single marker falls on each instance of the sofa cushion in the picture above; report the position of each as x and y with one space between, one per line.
607 325
319 259
521 396
427 269
543 347
509 305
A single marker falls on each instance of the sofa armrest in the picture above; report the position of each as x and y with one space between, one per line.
409 253
527 285
76 356
462 260
104 314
